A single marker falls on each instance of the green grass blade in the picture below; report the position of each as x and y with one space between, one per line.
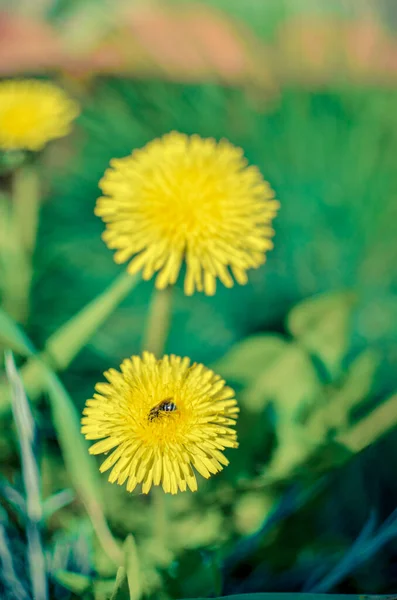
31 478
56 502
12 337
74 582
79 464
121 591
10 579
62 347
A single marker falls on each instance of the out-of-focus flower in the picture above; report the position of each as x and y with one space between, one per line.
161 418
187 199
32 113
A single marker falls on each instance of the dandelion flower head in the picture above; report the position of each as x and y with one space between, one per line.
32 113
187 199
162 420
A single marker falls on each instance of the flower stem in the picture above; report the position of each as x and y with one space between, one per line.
21 241
26 205
154 340
160 516
158 322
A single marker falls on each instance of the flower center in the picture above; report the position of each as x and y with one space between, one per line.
189 206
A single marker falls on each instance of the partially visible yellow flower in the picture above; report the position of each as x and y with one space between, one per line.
161 418
189 199
32 113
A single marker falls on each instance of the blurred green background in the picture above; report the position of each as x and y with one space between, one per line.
309 91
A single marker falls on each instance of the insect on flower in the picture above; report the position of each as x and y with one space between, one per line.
165 406
159 421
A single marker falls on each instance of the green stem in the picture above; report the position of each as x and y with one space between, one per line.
20 242
103 533
154 340
160 516
158 323
26 205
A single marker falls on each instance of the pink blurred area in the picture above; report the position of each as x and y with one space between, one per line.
194 42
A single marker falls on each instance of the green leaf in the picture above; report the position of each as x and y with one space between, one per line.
250 357
62 347
31 479
121 590
132 568
73 581
79 463
81 584
320 457
375 425
326 457
193 573
322 325
288 380
56 502
354 389
13 337
65 344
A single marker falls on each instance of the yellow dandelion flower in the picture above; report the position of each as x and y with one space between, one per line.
189 199
161 418
32 113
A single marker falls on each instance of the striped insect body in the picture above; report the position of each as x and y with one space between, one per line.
165 406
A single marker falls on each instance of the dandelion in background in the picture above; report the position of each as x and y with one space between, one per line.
32 113
189 199
161 418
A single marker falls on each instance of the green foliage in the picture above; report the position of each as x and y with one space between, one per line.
62 347
132 568
310 346
121 590
322 327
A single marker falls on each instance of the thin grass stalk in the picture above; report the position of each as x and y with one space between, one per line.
31 479
79 464
9 576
